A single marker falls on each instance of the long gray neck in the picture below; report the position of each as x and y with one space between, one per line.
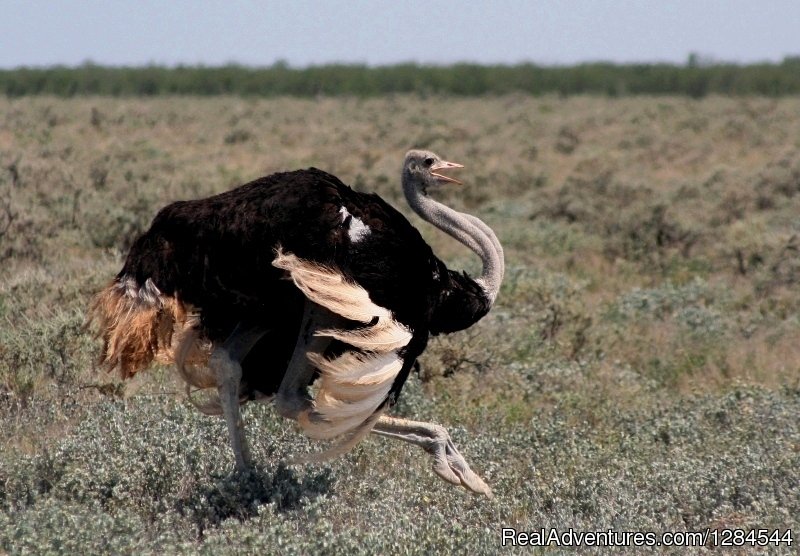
467 229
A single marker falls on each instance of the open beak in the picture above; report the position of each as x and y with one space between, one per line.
444 165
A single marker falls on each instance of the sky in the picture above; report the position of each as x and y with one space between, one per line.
380 32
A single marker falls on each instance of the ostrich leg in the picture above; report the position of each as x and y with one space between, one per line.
225 363
292 398
434 439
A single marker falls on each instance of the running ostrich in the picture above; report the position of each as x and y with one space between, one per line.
295 280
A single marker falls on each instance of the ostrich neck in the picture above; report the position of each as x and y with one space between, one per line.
468 230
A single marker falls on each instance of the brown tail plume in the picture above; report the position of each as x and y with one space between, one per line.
139 324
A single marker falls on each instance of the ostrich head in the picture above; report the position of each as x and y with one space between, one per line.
423 169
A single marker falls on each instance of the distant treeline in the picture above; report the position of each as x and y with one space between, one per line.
692 79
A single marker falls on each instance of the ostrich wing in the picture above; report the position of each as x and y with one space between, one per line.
355 384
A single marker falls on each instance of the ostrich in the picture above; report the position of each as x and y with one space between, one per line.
295 280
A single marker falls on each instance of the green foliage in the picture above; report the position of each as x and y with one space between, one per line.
661 302
358 80
54 348
153 476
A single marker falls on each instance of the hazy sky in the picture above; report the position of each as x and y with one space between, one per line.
306 32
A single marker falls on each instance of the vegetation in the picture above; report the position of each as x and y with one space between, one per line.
695 79
641 370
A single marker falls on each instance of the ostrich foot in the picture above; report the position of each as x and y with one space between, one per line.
448 463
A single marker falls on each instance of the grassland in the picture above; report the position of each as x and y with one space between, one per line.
641 370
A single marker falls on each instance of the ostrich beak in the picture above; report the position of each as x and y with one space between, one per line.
444 165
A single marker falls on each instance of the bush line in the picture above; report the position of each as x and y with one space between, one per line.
693 79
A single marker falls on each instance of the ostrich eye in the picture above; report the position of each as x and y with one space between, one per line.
429 161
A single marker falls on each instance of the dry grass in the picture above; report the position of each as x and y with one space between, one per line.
641 368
